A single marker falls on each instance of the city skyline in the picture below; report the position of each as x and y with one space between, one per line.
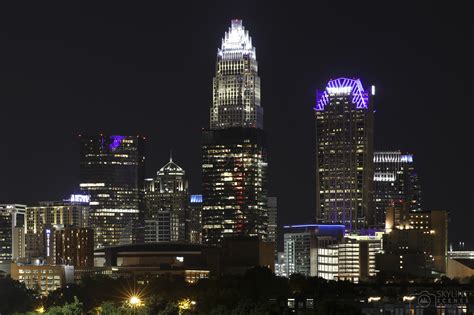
287 111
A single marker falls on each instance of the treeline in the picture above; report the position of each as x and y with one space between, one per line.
259 291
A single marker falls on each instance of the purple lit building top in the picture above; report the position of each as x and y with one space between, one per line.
351 87
115 142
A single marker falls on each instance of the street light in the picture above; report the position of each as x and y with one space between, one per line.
135 301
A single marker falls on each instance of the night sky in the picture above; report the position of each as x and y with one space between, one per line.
143 69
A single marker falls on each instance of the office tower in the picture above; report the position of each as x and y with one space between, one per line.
74 246
395 180
12 241
236 85
194 219
352 258
166 202
300 243
112 174
44 218
234 160
272 219
344 154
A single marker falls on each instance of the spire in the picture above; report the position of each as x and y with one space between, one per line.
171 155
236 42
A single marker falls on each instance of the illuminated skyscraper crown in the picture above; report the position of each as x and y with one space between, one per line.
236 85
236 42
343 86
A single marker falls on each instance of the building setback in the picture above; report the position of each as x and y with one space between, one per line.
234 160
112 173
344 159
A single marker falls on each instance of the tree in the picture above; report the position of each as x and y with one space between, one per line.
74 308
15 297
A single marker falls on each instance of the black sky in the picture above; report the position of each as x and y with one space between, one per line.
69 68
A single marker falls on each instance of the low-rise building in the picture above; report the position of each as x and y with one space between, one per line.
41 277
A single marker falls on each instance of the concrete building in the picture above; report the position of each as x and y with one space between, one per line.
235 255
47 216
74 246
415 243
41 277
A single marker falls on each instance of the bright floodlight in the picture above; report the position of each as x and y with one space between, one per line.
134 300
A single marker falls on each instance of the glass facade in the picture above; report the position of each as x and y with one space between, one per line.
344 160
234 184
112 173
395 180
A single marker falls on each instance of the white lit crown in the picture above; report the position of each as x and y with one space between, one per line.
236 42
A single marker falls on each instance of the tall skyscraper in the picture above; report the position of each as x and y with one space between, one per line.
12 231
112 173
166 203
395 180
234 158
344 154
236 86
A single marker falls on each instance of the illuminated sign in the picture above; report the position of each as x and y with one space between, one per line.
80 198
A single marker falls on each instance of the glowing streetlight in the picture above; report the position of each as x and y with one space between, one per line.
135 301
